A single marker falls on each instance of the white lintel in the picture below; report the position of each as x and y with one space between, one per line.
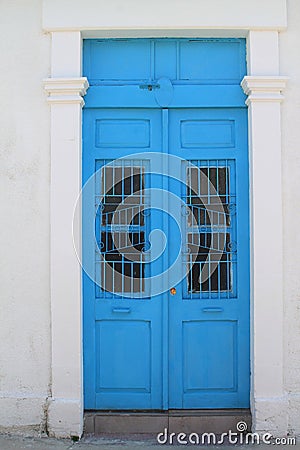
168 14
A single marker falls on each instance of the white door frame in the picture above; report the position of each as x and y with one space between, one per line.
264 86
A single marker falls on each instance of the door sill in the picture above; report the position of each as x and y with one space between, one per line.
199 421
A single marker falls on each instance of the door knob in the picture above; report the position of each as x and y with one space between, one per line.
173 291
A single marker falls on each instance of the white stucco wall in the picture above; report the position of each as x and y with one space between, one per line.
290 65
24 237
25 353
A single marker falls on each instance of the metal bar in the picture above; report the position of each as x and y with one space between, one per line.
191 275
103 271
123 174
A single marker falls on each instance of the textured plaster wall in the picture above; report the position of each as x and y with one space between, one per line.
24 220
290 65
24 216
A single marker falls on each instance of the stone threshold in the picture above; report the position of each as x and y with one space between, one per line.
146 422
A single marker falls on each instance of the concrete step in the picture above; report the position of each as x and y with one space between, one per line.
176 421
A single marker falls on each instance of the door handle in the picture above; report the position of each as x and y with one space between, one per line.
121 310
212 309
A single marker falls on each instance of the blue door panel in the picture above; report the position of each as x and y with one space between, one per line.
221 352
184 96
207 134
187 347
209 331
116 60
209 61
222 61
122 338
118 347
122 345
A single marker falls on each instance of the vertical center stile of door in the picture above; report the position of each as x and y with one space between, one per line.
165 303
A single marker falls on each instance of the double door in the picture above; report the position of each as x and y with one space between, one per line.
165 258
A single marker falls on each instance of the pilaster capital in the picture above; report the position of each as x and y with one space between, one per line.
66 90
264 88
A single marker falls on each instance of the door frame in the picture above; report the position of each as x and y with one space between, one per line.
264 87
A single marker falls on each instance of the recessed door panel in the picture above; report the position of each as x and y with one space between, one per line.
218 350
118 348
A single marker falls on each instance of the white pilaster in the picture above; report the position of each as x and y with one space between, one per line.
263 53
65 416
66 54
267 390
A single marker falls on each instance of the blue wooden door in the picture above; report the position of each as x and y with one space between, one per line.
123 322
209 313
165 225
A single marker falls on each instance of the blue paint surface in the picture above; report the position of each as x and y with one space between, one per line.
189 350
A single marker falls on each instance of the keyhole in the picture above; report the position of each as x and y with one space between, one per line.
149 87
